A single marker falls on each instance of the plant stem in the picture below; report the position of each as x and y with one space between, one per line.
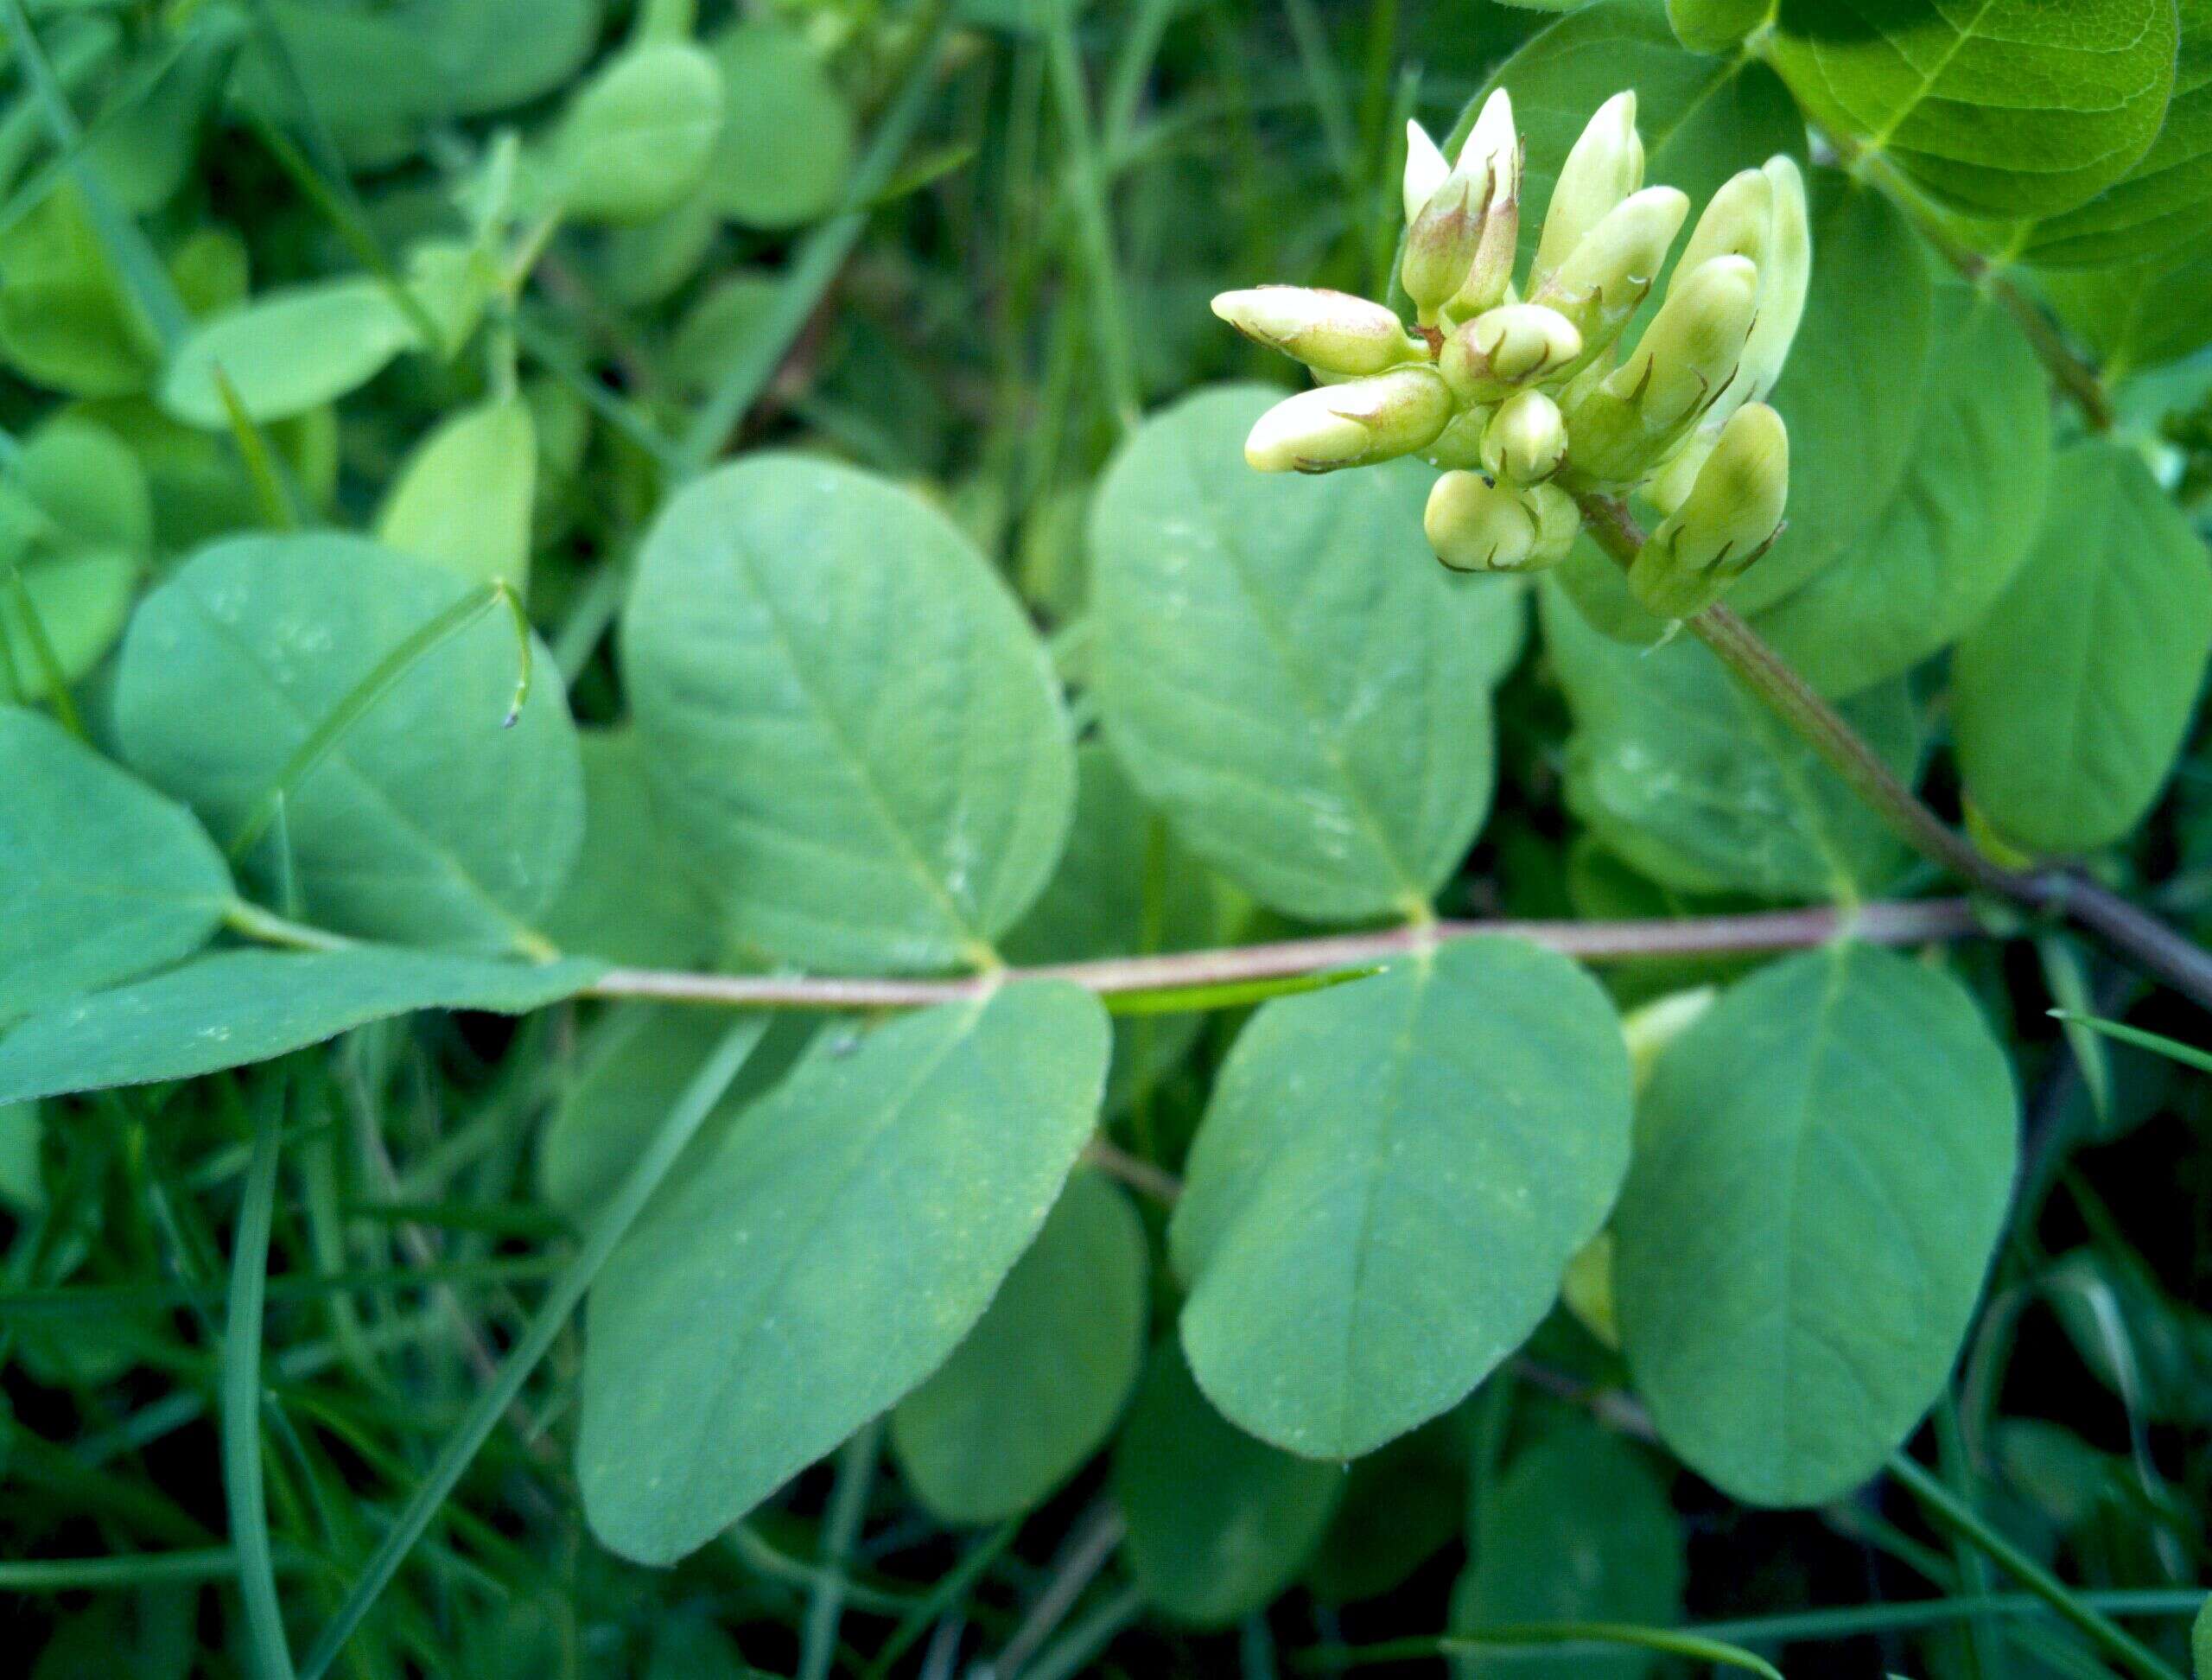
2157 950
1901 923
1962 1519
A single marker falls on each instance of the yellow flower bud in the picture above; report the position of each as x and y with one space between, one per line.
1441 244
1351 425
1513 345
1737 222
1476 525
1785 273
1526 439
1332 331
1604 167
1426 170
1691 350
1731 517
1609 273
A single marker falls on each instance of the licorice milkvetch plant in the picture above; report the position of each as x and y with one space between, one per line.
1524 393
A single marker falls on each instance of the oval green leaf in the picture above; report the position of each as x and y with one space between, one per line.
286 352
1034 1389
1286 671
462 500
1693 779
846 1235
425 821
845 711
2002 108
786 144
631 897
1219 1523
104 878
1387 1188
637 136
2072 696
1822 1165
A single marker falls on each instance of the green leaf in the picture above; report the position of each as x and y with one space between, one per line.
104 878
637 136
1577 1530
1851 392
462 500
2165 202
1822 1165
846 1235
2136 315
1034 1389
1389 1183
287 351
1946 541
785 143
236 1007
631 898
1402 1505
1716 26
1998 107
846 714
1702 119
1219 1523
77 521
426 821
1124 887
1693 779
643 1056
497 54
2200 1642
1286 671
2072 698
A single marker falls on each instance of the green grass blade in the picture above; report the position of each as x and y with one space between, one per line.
2187 1054
241 1392
607 1230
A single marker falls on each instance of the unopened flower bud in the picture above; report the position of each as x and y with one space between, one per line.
1351 424
1513 345
1441 244
1645 409
1426 170
1332 331
1604 167
1526 439
1738 221
1494 137
1475 525
1609 273
1785 273
1730 517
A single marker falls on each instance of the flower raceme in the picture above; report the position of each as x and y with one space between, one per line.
1526 395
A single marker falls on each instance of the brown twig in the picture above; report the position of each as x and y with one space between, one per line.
1909 922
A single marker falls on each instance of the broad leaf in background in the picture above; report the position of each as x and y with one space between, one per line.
641 1057
631 897
1286 671
1702 119
1401 1505
1125 887
1219 1523
785 143
103 877
287 351
425 822
1946 542
1851 391
67 321
462 500
845 712
1577 1530
236 1007
2000 108
2072 696
1036 1386
1690 777
77 524
832 1253
1388 1184
636 137
1822 1165
2139 315
2166 201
